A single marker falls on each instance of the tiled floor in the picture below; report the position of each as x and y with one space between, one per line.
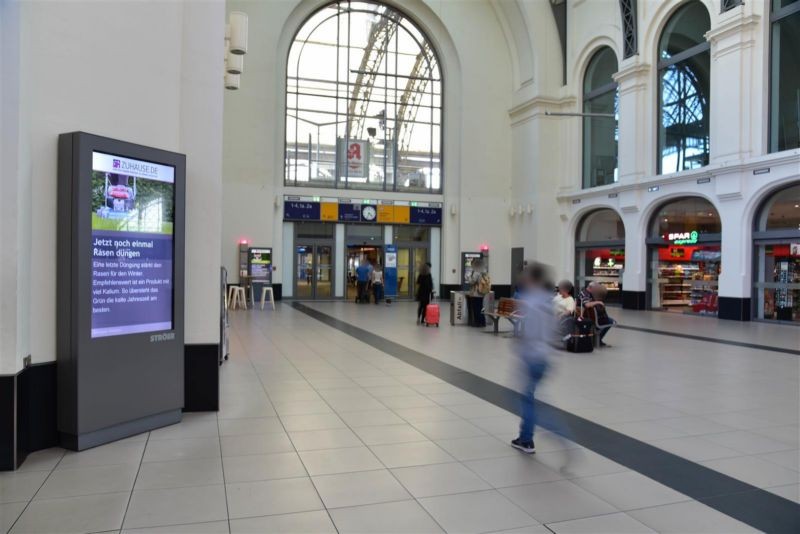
319 432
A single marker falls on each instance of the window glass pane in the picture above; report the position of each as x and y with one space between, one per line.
684 125
686 28
600 138
600 133
601 225
686 215
779 4
785 85
602 66
407 234
782 210
363 102
310 229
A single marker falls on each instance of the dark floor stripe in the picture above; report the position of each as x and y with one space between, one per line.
758 508
711 339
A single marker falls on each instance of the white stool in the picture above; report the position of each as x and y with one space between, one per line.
229 296
264 292
238 296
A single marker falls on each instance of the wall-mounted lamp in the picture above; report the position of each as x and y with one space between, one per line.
235 48
232 81
529 209
512 212
234 64
453 210
277 201
237 22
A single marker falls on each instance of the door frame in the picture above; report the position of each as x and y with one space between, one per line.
315 243
412 267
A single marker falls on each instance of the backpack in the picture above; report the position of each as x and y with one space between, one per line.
484 284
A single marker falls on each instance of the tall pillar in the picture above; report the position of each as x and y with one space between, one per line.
738 82
636 130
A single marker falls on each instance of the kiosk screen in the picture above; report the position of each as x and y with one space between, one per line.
133 212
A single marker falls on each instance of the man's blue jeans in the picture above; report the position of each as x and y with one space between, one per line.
535 371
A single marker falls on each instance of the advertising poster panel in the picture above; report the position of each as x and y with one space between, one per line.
133 216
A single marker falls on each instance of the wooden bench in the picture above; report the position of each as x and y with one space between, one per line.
509 309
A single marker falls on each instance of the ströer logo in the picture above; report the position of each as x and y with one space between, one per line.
155 338
117 164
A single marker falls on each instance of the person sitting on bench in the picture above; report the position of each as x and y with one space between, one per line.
564 306
591 301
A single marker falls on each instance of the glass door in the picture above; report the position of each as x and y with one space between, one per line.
323 282
405 284
304 271
313 271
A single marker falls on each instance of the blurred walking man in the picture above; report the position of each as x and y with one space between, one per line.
534 346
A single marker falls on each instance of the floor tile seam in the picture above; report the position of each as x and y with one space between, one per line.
304 511
286 432
759 454
554 523
135 479
693 337
381 462
27 505
424 362
224 480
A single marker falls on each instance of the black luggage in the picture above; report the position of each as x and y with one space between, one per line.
581 337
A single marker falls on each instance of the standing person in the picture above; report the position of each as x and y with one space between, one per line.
424 291
377 283
533 347
363 272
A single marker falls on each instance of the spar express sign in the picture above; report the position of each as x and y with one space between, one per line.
683 238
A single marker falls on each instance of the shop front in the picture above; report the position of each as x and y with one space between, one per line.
685 258
600 253
776 254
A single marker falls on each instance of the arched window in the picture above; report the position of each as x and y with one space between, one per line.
600 252
363 102
600 133
781 211
776 244
684 67
785 83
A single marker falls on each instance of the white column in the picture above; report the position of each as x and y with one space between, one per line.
339 267
287 289
15 199
636 152
201 141
436 256
738 82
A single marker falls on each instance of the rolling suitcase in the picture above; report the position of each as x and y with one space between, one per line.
432 315
581 337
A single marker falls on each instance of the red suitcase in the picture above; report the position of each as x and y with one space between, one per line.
432 315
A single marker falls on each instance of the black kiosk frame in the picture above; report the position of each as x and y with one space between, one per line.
126 379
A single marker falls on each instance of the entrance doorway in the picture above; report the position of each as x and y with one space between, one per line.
313 271
685 257
356 255
409 262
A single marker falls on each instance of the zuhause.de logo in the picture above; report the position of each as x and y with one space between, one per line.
168 336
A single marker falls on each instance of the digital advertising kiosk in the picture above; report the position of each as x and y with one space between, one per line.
120 289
